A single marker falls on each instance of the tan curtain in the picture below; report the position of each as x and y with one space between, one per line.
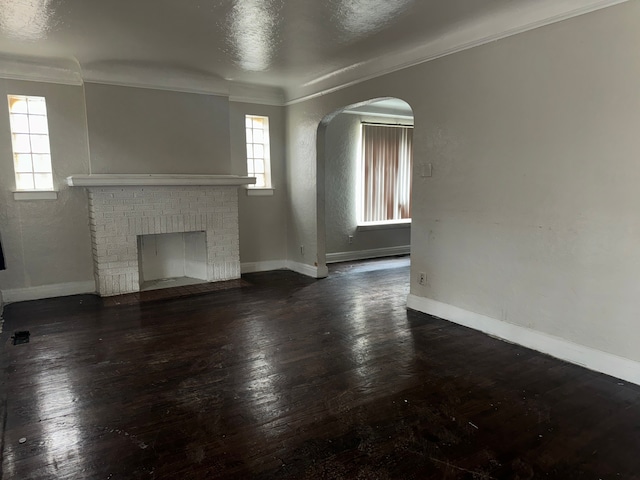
387 153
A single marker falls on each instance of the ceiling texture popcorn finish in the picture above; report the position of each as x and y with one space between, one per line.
302 47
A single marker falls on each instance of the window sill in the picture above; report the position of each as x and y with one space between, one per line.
35 195
384 225
260 192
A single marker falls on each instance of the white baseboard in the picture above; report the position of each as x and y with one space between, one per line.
365 254
253 267
308 270
48 291
587 357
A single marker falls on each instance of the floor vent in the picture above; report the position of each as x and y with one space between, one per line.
20 337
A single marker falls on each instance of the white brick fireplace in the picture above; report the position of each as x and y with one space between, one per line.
123 207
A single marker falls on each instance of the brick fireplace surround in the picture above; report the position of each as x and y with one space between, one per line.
122 207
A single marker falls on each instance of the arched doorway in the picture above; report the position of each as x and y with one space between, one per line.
344 233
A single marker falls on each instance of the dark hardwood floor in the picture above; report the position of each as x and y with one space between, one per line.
285 377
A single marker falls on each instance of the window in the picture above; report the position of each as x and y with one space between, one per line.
30 139
258 154
387 158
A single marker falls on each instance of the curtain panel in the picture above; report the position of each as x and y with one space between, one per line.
387 155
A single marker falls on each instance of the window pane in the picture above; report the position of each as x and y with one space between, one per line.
38 124
40 143
17 104
22 163
42 163
24 181
257 135
19 123
21 143
30 141
37 105
44 181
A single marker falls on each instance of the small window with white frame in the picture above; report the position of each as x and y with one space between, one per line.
30 140
258 150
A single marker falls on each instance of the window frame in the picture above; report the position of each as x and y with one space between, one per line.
24 123
251 157
363 224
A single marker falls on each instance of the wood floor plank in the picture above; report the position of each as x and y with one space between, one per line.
280 376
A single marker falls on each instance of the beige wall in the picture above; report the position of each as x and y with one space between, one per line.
342 139
262 219
530 217
47 241
131 130
138 130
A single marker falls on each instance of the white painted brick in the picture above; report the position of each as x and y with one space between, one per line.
117 239
122 208
123 195
118 215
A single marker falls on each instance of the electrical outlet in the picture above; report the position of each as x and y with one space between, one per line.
422 278
427 170
350 239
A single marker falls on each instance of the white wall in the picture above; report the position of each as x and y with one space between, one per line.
129 130
263 219
342 139
140 130
47 242
530 218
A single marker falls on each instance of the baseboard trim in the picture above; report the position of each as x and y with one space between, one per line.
308 270
303 269
267 266
365 254
47 291
587 357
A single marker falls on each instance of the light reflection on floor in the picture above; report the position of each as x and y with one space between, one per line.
370 266
55 397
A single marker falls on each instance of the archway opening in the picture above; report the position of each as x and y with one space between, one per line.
365 156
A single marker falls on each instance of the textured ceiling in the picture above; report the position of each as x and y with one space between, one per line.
294 44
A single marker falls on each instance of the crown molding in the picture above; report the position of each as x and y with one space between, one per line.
256 94
68 71
156 77
65 71
473 34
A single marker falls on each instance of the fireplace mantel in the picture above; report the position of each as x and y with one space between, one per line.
124 208
140 180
